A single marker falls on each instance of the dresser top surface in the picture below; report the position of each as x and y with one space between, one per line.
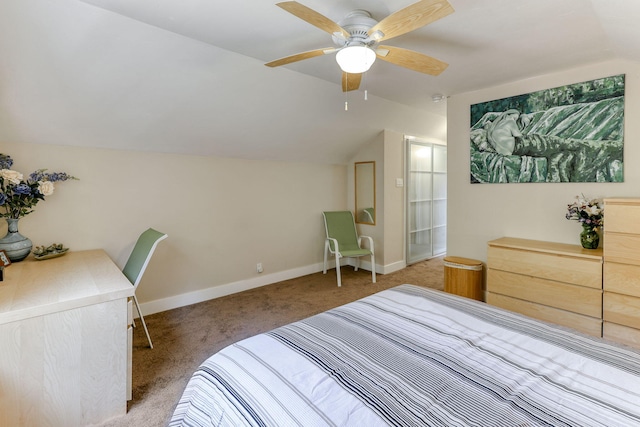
34 288
622 200
547 247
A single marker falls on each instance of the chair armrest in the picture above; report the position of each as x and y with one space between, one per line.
370 242
335 245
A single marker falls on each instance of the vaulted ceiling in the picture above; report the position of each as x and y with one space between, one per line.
188 76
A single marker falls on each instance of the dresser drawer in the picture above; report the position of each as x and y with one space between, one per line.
581 271
586 324
622 334
577 299
622 215
622 278
622 248
621 309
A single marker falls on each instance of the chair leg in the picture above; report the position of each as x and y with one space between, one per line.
326 249
373 268
338 270
142 319
357 263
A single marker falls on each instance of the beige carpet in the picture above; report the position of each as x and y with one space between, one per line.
183 338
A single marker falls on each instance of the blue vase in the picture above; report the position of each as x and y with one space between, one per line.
15 244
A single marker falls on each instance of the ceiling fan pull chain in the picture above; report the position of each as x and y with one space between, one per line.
366 93
346 93
364 84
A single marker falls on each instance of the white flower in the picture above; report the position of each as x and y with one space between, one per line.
589 212
46 188
19 194
11 176
593 210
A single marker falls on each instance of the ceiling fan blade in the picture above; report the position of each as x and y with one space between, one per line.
351 81
312 17
300 56
411 17
412 60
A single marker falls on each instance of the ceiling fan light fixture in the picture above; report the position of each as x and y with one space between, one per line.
355 59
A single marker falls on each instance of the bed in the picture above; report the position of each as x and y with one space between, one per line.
411 356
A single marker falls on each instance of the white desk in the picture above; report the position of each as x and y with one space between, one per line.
65 341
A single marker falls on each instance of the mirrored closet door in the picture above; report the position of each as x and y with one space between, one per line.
426 189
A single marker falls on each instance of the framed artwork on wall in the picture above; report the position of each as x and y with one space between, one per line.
571 133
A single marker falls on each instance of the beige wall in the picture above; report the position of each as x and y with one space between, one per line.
388 151
482 212
373 151
388 232
394 206
222 215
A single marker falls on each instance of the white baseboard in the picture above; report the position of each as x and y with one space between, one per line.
194 297
396 266
385 269
169 303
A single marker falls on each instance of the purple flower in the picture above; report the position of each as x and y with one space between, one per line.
42 175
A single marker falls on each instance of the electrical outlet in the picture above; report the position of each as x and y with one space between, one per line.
259 267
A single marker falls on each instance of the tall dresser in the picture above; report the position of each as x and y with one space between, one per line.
621 301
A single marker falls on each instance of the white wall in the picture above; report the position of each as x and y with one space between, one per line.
388 151
373 151
394 200
481 212
222 215
389 233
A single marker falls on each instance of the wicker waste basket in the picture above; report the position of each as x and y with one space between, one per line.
463 276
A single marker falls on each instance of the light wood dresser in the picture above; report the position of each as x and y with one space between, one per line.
622 271
65 341
555 282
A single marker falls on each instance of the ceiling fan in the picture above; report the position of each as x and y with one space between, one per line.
358 35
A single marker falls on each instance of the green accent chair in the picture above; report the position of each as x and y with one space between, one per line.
343 242
137 264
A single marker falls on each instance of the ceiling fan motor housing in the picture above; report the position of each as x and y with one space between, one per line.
357 23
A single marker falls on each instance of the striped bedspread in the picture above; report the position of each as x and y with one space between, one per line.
411 356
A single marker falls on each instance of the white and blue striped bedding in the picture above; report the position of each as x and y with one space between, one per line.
411 356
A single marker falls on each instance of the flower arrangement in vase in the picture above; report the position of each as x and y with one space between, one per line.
590 214
18 197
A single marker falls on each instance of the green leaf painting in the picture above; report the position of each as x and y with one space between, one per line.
572 133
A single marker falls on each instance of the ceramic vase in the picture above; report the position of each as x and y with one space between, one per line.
589 238
15 244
